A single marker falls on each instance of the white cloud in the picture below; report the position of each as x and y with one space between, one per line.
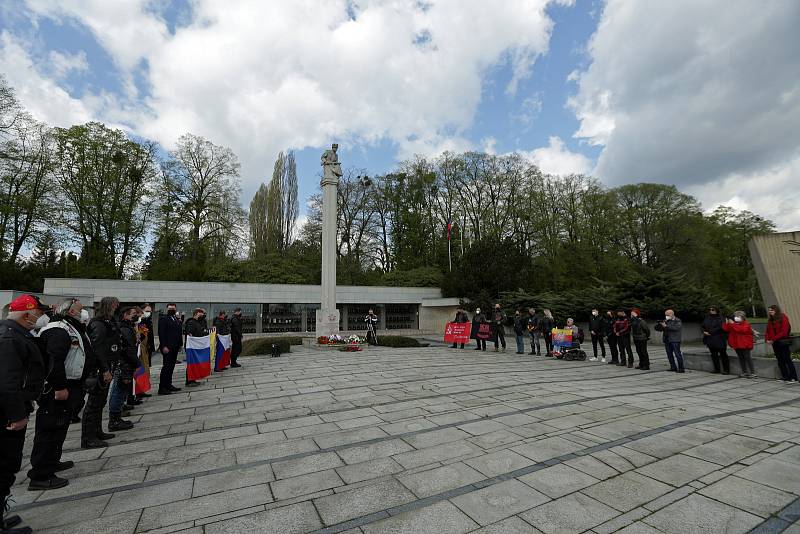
556 158
489 145
772 193
62 64
703 95
40 94
261 77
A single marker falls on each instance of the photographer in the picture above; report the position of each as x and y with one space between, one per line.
372 323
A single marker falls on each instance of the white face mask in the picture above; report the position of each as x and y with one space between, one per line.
737 319
42 321
595 313
478 310
84 317
668 317
146 314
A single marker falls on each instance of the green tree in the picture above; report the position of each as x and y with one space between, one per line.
106 181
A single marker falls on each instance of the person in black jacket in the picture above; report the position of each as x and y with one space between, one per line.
641 335
715 339
221 324
622 331
170 341
613 344
196 326
236 337
125 333
533 331
68 357
106 344
21 382
477 320
597 331
546 325
520 327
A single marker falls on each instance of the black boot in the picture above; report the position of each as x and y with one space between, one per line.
51 483
93 444
63 466
102 436
116 423
8 522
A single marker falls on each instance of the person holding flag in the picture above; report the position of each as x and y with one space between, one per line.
198 348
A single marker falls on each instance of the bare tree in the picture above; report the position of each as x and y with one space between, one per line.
206 190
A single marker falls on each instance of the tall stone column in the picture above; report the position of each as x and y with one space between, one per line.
328 315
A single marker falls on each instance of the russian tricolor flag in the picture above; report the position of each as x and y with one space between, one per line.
141 378
198 357
222 356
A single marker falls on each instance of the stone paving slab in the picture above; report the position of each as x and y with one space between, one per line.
439 440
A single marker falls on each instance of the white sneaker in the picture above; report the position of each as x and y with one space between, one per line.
592 359
603 360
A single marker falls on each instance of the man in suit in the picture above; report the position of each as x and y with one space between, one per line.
170 341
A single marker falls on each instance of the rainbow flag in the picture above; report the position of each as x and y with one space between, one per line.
141 377
198 357
222 354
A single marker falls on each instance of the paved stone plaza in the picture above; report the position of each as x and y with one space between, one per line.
441 441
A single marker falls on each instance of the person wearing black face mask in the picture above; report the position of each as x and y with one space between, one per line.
170 341
196 326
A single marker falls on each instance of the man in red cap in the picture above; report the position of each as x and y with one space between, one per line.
21 382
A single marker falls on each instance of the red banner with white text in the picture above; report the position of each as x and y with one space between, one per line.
457 333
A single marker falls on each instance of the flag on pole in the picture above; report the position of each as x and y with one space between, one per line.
222 359
449 230
198 357
141 378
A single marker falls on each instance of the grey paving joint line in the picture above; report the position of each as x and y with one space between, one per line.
420 503
259 463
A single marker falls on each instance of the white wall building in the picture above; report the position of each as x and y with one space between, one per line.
270 308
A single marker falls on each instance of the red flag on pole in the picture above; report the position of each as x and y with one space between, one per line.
449 229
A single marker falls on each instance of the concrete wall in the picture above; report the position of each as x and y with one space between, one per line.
776 258
434 314
212 292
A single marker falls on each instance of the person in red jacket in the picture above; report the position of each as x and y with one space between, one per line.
779 335
740 339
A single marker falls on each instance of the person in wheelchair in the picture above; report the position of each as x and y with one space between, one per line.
574 352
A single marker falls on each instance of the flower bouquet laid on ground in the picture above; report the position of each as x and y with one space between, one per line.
352 344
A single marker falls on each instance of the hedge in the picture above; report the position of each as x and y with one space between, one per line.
263 345
398 341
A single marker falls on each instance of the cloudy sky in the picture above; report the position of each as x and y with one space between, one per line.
703 94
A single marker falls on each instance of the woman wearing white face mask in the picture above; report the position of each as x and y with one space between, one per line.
740 339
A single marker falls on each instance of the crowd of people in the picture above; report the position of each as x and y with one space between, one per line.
616 334
72 365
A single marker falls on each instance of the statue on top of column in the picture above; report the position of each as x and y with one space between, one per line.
332 169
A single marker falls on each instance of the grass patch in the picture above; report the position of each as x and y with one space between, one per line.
263 345
399 341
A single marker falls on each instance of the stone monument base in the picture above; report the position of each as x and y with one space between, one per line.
327 322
